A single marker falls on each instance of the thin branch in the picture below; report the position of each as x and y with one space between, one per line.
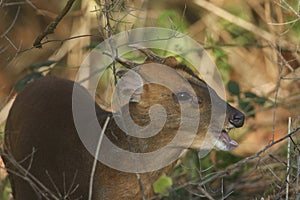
10 42
230 169
96 158
288 161
73 187
27 176
206 194
11 4
275 101
290 8
61 41
53 184
13 22
52 26
235 20
298 174
3 48
141 188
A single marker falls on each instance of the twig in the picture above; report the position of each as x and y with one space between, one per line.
278 160
235 20
282 64
290 8
61 40
206 194
222 188
73 187
10 42
141 188
288 161
230 169
275 101
2 4
3 48
53 184
126 63
51 27
298 174
96 158
13 22
227 195
30 178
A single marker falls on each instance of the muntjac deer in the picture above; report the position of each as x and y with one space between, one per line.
46 159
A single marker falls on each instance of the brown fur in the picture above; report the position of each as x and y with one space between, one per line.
40 135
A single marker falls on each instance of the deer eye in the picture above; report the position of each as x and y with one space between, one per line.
183 96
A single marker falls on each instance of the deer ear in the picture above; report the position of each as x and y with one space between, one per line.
129 86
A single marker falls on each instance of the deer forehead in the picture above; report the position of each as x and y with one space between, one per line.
165 76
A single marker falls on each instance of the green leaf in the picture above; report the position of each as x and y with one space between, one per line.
41 64
246 107
256 99
27 79
233 88
260 100
250 95
162 185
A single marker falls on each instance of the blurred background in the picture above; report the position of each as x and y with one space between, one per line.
255 45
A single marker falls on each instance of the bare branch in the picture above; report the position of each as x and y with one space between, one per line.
51 27
96 157
230 169
150 55
13 22
122 61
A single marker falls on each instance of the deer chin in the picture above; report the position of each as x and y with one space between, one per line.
225 143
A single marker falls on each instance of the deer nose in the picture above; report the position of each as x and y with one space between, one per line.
237 119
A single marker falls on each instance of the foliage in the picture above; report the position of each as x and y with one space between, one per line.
172 20
246 100
162 185
36 71
26 80
221 58
5 190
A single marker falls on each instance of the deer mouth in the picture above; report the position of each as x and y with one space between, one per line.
225 143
